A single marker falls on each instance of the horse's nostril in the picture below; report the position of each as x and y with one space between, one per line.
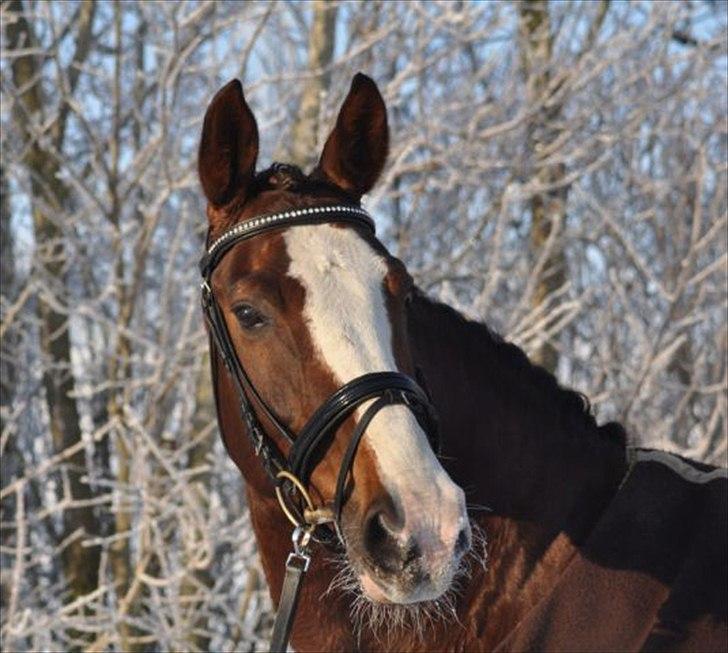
376 532
462 544
388 524
380 540
412 554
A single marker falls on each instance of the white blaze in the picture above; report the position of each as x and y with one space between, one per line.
346 314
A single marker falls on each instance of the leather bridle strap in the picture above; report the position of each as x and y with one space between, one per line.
263 223
341 404
287 604
348 460
387 388
296 567
273 460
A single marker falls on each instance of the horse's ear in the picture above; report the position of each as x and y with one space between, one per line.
229 146
356 150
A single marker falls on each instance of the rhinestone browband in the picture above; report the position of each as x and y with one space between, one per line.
288 216
263 223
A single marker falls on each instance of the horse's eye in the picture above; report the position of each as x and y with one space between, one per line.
250 317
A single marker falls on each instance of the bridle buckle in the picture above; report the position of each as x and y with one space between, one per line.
301 537
298 561
258 437
299 558
294 516
206 293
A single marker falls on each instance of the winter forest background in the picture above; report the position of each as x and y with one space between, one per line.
557 169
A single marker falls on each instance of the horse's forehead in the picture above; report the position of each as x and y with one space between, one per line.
318 252
264 254
345 307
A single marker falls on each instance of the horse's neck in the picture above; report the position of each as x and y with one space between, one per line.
512 439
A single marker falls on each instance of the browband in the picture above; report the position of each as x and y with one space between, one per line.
267 222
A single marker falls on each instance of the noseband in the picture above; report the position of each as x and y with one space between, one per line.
291 473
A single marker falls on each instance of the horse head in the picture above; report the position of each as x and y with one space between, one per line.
312 307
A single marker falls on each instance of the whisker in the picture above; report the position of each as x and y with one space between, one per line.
479 507
478 553
384 622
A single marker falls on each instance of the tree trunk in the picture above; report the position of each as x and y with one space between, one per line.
9 340
548 208
11 460
197 578
321 41
50 195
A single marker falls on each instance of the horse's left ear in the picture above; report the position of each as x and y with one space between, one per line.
356 150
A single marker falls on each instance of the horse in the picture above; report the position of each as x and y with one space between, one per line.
361 412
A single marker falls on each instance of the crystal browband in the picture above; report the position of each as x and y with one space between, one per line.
311 215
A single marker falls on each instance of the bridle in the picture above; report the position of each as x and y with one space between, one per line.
291 473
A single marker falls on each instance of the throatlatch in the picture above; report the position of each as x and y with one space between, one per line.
291 473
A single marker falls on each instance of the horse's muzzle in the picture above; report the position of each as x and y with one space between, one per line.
408 558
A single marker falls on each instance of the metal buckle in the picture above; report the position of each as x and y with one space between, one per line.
407 400
293 515
296 561
299 558
206 292
301 537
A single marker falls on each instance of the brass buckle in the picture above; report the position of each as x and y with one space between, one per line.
287 476
312 516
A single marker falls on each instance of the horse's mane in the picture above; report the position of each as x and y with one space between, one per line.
507 359
280 176
289 177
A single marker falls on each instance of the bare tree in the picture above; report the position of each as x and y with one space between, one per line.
557 170
307 127
51 196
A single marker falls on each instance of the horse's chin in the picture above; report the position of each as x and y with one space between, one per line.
394 594
371 590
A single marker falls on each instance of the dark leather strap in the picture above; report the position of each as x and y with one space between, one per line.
342 403
296 568
264 223
348 459
273 460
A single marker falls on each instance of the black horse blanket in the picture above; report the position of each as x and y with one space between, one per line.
653 573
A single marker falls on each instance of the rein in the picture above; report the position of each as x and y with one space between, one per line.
291 473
